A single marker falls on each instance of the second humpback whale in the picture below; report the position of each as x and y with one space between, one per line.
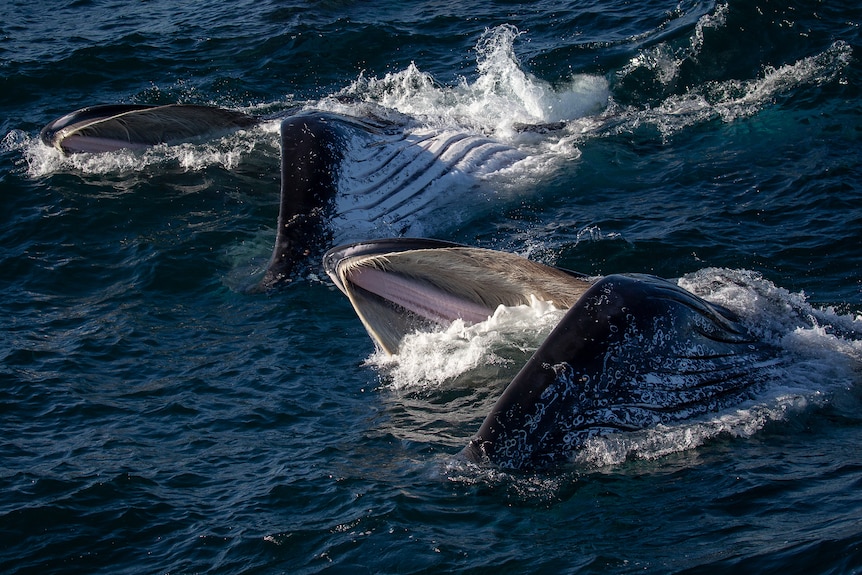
343 178
633 351
111 127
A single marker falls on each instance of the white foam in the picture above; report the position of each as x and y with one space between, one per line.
664 440
715 20
430 359
501 99
502 96
728 100
773 312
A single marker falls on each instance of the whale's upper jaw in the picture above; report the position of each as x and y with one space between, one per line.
340 255
399 285
390 303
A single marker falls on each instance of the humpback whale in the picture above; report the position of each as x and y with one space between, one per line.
343 178
632 352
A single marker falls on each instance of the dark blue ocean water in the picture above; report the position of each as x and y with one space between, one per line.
158 418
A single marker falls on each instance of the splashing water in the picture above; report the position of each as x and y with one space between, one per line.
430 359
502 100
726 100
502 97
227 151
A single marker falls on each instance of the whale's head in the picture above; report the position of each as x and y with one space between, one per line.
399 285
632 351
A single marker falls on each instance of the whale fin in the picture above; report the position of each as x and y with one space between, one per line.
132 126
636 351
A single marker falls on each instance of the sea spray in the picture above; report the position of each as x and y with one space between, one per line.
502 97
431 358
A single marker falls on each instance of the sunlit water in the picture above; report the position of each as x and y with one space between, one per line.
159 418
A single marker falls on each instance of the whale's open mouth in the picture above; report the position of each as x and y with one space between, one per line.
631 352
398 286
424 300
